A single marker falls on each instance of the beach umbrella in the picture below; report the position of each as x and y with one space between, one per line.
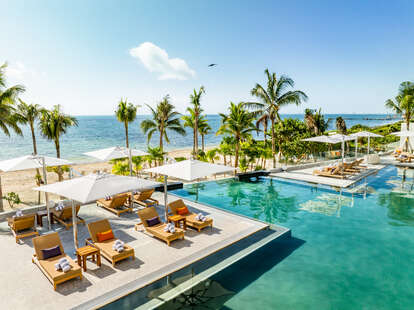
33 162
342 138
406 134
95 186
115 153
188 170
365 134
326 139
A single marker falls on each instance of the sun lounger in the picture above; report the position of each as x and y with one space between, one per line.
190 217
23 226
144 198
117 204
334 172
106 246
157 230
64 216
47 265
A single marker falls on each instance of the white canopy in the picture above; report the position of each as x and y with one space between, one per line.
92 187
322 139
341 137
114 153
365 134
403 133
31 162
190 169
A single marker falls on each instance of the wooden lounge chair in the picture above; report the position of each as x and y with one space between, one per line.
158 229
64 216
117 205
144 198
47 266
23 226
190 217
334 172
106 246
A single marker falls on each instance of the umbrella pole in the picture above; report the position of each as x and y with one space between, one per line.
130 161
46 195
75 226
165 197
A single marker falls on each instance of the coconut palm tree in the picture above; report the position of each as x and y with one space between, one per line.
189 121
164 119
204 129
126 113
341 125
195 98
28 114
264 121
8 98
315 121
403 104
54 123
239 124
272 98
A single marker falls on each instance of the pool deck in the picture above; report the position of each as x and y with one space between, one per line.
306 175
390 160
24 286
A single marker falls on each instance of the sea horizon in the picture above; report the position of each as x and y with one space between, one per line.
101 131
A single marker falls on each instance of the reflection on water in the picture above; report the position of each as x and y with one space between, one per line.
327 204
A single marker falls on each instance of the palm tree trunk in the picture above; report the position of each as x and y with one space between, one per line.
35 153
126 134
196 134
57 145
202 143
407 122
264 131
236 160
161 138
273 142
194 143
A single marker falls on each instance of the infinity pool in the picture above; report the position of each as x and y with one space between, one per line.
346 252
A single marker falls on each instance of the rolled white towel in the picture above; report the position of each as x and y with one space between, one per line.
19 213
63 260
63 265
119 242
66 268
167 227
57 267
172 228
119 248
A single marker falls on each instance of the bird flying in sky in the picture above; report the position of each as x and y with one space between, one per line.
212 65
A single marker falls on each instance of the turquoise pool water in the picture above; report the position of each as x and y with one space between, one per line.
345 252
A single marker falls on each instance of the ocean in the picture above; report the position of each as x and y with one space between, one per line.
96 132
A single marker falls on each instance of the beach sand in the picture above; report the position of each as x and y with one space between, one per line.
22 182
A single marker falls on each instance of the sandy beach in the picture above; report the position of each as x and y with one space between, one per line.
22 182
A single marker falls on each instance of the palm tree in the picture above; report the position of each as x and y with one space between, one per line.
403 104
126 113
8 98
163 118
272 98
315 121
189 122
204 129
195 98
341 125
53 123
263 120
238 123
28 114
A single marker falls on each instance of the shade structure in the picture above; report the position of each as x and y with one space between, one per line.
33 162
365 134
188 170
92 187
116 153
322 139
404 133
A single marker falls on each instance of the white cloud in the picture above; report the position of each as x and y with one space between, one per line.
17 71
156 60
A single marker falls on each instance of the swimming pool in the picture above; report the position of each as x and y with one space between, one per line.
346 252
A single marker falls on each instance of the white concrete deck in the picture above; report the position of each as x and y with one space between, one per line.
306 175
25 287
390 160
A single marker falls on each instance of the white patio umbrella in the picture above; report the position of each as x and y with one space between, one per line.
33 162
405 133
342 138
366 134
92 187
188 170
325 139
115 153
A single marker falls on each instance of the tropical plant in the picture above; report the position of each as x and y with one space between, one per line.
28 114
238 123
13 199
120 168
196 110
315 121
54 123
126 113
156 155
272 98
341 125
8 98
212 155
403 103
226 148
204 129
164 118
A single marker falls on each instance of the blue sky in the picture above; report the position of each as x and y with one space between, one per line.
348 56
